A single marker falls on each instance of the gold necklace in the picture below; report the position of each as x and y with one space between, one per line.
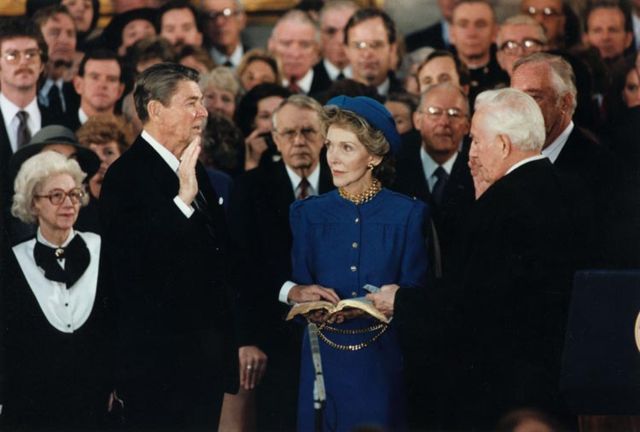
362 197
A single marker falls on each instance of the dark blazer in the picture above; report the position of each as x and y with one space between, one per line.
458 196
427 37
259 227
498 327
176 349
71 101
321 81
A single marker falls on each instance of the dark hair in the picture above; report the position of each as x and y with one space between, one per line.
350 87
622 6
461 68
222 144
613 104
247 109
99 54
178 4
149 48
486 2
159 82
199 53
367 14
43 15
21 27
411 101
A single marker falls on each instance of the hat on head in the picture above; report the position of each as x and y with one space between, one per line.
376 114
112 33
55 134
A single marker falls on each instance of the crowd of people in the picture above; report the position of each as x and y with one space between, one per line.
169 193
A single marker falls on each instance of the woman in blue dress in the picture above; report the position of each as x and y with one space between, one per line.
359 234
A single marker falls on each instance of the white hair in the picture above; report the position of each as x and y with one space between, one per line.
33 173
513 113
222 78
296 16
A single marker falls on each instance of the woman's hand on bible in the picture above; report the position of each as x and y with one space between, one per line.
253 364
309 293
384 299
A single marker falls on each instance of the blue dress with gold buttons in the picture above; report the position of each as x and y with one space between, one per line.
341 245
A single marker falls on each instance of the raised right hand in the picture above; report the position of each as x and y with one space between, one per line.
187 172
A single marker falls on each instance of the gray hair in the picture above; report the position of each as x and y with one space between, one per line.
300 17
445 85
223 78
238 3
31 177
338 5
513 113
301 102
563 79
522 19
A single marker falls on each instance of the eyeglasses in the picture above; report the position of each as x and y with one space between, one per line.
436 112
528 45
224 13
57 196
545 12
13 57
363 45
331 31
290 135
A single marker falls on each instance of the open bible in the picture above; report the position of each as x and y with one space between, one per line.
361 303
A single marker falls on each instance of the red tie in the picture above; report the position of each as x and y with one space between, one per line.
294 87
303 188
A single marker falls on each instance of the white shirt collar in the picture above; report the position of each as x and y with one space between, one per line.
429 166
11 121
313 179
524 161
445 32
164 152
553 150
383 89
304 83
334 71
82 116
234 58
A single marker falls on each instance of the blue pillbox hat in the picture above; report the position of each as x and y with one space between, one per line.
376 114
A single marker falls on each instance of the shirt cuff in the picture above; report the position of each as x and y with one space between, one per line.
283 296
186 209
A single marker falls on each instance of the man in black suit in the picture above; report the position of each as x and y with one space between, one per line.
225 21
294 41
59 32
333 18
550 80
496 332
259 226
435 170
436 35
166 243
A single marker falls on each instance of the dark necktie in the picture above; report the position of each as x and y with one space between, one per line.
438 187
228 63
340 76
294 87
303 188
24 134
76 257
55 102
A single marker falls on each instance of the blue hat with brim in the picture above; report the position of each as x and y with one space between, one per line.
376 114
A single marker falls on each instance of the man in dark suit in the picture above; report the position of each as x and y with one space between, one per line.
225 21
497 330
259 226
333 18
435 170
166 243
550 80
436 35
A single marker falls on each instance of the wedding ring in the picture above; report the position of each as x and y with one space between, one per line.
249 367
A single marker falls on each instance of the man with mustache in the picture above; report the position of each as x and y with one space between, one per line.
59 32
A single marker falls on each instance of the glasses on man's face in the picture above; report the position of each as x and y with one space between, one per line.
331 31
436 112
224 13
363 45
57 196
527 46
307 133
14 56
546 12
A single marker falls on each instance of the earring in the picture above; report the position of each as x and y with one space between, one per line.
371 166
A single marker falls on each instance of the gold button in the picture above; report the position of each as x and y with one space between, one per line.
354 268
353 293
357 220
354 245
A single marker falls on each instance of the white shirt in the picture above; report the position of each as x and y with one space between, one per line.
553 150
65 309
304 83
11 120
44 92
82 116
333 71
173 163
524 161
429 167
234 58
314 182
445 32
383 89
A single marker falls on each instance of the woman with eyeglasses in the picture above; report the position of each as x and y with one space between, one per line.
54 329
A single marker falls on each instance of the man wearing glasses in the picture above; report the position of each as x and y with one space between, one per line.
549 14
518 36
225 21
370 37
